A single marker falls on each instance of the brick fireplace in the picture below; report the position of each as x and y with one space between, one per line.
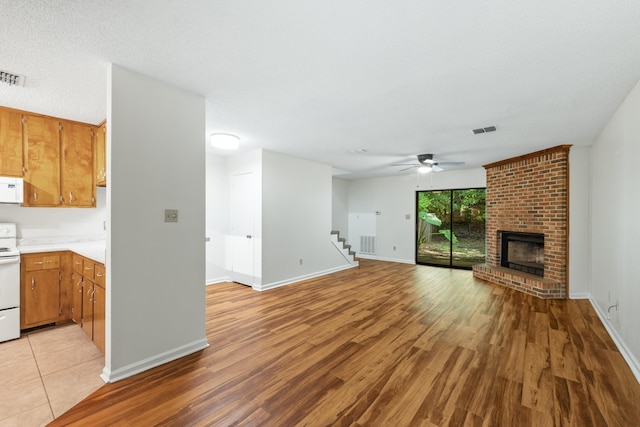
529 194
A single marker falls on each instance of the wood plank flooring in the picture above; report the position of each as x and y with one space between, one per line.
383 345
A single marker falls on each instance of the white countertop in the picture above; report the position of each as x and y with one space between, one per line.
95 249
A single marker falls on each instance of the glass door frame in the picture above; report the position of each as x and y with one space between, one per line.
417 205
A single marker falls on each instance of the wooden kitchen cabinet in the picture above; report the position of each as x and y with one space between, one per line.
101 155
99 316
76 164
87 307
41 278
66 287
76 305
91 298
11 161
41 147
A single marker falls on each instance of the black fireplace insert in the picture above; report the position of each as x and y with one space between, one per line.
523 252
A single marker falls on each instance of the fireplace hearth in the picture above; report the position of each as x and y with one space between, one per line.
523 252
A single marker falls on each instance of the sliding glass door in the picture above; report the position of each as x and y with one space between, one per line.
450 227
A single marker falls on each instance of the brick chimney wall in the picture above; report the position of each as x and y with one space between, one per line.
530 194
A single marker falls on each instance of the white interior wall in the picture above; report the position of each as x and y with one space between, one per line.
58 223
579 221
615 229
296 217
340 206
395 198
155 270
217 218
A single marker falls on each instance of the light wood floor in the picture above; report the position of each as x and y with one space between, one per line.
389 345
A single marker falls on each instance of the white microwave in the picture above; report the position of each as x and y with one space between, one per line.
11 190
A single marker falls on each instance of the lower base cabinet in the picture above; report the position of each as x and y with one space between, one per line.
99 316
41 279
90 301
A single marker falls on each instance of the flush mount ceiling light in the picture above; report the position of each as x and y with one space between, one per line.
224 141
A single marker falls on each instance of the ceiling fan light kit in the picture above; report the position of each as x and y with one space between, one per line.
426 164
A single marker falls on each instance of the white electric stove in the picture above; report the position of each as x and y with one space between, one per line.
9 283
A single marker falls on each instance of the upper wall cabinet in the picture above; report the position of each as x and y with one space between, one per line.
101 155
10 143
76 171
42 160
57 158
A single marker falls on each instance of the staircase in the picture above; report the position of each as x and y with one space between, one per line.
341 244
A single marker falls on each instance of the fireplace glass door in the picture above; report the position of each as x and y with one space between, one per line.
450 229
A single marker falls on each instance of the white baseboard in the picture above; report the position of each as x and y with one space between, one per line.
579 295
377 258
217 280
301 278
617 339
110 376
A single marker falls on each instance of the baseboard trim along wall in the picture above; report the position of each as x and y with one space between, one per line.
301 278
217 280
109 376
628 356
378 258
579 295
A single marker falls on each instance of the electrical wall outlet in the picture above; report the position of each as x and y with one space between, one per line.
171 215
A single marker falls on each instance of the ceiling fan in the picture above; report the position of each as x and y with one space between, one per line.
427 164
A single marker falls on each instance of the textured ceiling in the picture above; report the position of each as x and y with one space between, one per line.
316 79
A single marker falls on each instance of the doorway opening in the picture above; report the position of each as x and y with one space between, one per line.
450 227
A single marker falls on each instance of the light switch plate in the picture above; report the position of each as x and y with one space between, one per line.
171 215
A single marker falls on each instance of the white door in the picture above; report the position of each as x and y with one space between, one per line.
242 220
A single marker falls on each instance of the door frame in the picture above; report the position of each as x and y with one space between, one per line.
417 199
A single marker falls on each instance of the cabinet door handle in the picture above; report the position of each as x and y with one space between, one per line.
99 275
79 286
35 196
38 262
70 196
93 296
33 282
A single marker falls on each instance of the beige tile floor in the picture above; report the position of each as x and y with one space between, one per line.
44 373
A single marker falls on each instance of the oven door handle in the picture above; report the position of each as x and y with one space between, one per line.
10 260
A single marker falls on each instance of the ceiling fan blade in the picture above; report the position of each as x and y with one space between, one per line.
406 169
404 164
449 163
436 168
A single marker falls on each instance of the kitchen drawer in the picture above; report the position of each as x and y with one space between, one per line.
100 275
41 262
77 264
88 268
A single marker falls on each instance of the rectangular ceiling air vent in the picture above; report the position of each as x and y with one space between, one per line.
11 79
484 130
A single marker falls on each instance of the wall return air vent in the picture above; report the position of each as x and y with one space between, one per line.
11 79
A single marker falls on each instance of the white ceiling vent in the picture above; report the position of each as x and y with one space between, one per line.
11 79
